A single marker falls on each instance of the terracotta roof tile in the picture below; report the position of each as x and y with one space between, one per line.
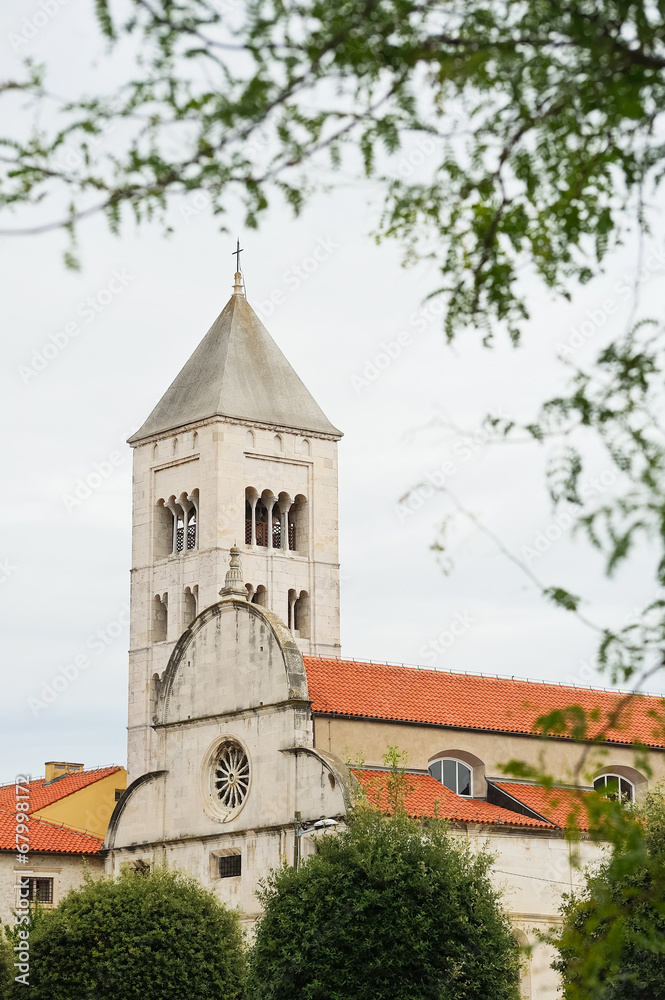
46 838
42 795
428 798
562 806
462 701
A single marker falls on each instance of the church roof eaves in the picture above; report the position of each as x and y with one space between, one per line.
45 837
390 693
427 798
237 372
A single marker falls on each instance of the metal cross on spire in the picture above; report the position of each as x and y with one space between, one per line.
236 253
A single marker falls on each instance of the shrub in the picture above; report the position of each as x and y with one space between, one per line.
386 909
153 936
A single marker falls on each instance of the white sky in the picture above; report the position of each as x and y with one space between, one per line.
65 573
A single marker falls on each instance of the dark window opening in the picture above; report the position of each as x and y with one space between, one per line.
261 524
118 794
230 865
191 532
40 890
180 534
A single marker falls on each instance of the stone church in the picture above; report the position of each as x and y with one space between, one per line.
242 710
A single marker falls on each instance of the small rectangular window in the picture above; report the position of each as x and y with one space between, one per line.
118 794
40 890
230 865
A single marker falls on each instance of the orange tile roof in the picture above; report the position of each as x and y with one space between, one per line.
42 795
463 701
427 797
561 806
46 838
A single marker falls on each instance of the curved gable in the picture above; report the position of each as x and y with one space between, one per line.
235 655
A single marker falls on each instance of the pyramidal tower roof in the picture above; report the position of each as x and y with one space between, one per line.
237 371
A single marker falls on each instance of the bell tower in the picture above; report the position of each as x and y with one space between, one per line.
236 452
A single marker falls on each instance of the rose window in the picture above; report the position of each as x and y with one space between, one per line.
231 775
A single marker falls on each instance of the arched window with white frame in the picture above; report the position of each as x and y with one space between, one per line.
615 787
454 774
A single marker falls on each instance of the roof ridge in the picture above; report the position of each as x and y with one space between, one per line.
111 768
485 676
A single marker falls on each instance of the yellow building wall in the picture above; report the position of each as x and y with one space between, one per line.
89 809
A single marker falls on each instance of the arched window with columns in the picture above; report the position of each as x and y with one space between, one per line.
275 522
298 613
183 523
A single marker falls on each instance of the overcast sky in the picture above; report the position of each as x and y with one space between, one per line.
65 568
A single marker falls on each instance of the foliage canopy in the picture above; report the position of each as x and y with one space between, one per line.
385 910
612 945
145 936
541 124
521 136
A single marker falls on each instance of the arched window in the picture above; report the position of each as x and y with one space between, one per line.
525 952
304 447
454 774
615 787
195 439
175 446
180 530
160 618
249 439
279 443
190 609
297 615
292 597
260 596
299 524
155 452
163 530
191 530
261 523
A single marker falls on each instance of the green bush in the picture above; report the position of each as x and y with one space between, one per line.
6 969
386 910
152 936
612 943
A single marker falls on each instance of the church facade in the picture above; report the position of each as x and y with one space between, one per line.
242 711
